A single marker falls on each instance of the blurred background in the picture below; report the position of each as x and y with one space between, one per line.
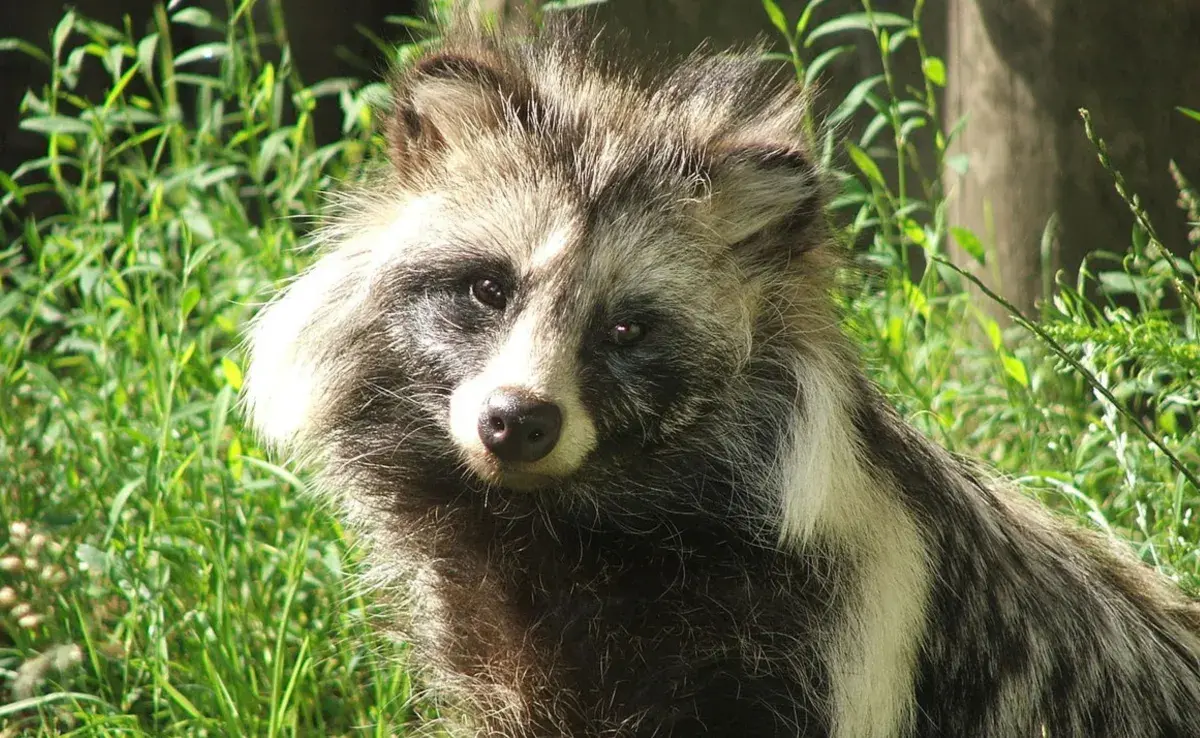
1017 72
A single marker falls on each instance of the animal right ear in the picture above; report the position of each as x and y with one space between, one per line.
758 187
444 100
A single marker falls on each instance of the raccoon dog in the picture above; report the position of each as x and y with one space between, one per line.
573 368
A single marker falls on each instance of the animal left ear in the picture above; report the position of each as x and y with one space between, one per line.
761 189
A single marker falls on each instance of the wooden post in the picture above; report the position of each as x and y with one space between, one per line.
1020 70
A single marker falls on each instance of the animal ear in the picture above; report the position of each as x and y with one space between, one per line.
443 100
760 188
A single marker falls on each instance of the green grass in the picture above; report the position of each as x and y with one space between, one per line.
162 577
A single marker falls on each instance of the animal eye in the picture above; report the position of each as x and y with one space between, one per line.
626 333
489 292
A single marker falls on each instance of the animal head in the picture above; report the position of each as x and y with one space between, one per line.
566 270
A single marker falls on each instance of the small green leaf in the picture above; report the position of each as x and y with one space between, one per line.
896 40
1015 368
856 22
895 333
915 232
1140 238
969 243
874 128
806 17
10 185
203 52
778 19
958 163
935 71
865 164
51 124
1168 423
1121 283
180 699
9 302
183 466
234 458
232 373
145 54
1193 114
854 99
909 126
278 472
557 5
189 301
118 504
916 299
16 44
61 31
992 329
197 17
816 66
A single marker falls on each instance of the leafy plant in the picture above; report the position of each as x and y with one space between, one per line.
161 577
196 589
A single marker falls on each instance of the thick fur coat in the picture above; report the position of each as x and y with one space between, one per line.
733 534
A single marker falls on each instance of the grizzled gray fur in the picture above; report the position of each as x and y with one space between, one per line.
572 366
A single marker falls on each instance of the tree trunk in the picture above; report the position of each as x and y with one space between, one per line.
1020 70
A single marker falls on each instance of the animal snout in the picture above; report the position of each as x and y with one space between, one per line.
517 426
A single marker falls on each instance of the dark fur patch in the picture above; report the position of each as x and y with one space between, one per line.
1020 611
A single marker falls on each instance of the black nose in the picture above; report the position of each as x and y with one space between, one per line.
516 426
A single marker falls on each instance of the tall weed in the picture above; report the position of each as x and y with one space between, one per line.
161 577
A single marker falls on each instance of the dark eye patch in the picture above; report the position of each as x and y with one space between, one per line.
451 274
631 388
630 324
